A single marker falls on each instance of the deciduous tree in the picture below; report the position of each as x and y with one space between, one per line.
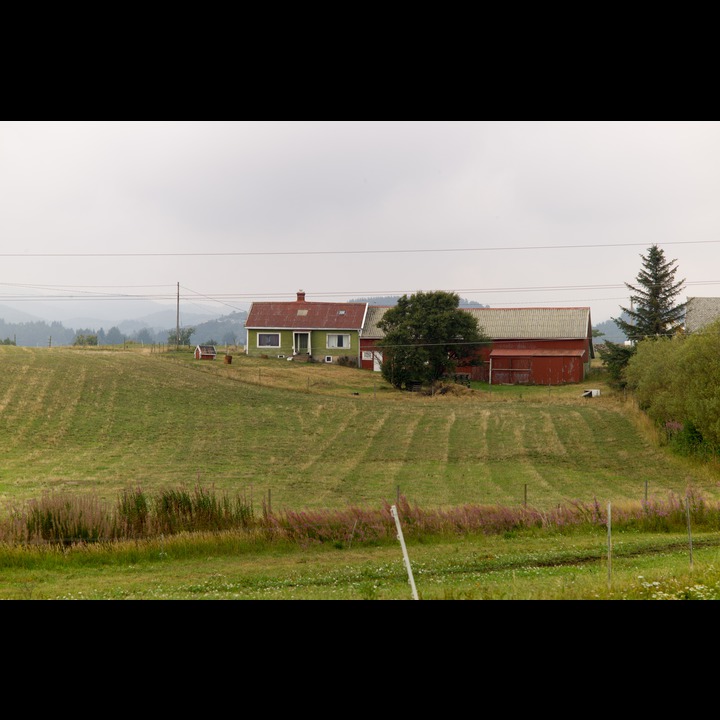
426 337
181 336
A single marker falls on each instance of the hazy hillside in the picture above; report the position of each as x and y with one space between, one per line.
610 333
36 333
221 330
103 312
14 315
225 330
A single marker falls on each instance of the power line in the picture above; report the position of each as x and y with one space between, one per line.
356 293
353 252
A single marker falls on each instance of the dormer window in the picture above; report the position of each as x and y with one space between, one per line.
302 312
341 312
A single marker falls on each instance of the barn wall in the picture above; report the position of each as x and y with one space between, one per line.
368 345
536 370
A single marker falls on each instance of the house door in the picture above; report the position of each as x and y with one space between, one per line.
302 343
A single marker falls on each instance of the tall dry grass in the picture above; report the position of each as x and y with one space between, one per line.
69 520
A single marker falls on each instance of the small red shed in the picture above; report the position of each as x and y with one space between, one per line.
205 352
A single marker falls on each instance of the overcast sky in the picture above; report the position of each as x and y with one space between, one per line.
509 214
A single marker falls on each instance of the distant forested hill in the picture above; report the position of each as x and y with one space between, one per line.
610 333
36 334
225 330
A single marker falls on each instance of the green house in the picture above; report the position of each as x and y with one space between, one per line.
304 330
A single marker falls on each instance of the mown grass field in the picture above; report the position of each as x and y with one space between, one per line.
315 436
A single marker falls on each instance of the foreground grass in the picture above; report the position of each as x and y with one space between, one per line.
669 550
517 566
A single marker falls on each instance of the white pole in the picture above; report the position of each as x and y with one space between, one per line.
177 321
609 544
394 512
687 509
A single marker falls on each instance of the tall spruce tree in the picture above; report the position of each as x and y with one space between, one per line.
654 311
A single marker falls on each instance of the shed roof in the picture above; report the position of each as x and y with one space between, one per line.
305 315
207 349
701 311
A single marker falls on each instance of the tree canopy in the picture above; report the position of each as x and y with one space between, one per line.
181 336
654 312
677 383
426 337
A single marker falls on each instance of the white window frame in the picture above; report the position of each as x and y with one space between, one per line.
329 343
276 335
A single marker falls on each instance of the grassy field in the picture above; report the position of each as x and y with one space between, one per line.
316 436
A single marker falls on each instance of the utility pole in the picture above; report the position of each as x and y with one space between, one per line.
177 320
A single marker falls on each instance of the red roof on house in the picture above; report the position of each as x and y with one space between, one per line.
304 315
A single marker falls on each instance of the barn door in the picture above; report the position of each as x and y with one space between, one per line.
522 370
377 361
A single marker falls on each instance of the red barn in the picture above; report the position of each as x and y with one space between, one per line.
534 346
529 346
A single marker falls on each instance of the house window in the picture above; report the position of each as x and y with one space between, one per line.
338 341
269 340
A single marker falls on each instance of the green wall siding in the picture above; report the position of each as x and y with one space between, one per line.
318 344
285 348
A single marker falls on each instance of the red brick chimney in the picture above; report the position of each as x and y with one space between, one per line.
301 296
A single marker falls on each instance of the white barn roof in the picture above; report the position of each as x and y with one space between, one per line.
511 323
374 315
533 323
